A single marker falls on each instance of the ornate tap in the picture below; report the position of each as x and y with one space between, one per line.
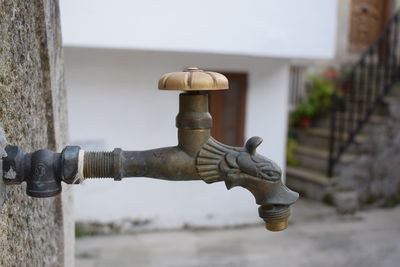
198 156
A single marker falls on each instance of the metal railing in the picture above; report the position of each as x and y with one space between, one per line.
363 89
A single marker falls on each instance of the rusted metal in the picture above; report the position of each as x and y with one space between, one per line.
69 163
198 156
41 170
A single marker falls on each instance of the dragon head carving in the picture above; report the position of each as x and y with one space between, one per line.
243 166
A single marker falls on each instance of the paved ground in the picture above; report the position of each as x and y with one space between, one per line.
316 237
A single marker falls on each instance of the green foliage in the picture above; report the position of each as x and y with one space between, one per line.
321 90
303 110
318 102
291 146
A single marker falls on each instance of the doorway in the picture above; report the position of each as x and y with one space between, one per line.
367 19
228 108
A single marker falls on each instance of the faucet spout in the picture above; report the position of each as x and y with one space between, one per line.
244 167
198 156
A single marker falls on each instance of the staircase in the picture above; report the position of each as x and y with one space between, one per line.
366 100
311 177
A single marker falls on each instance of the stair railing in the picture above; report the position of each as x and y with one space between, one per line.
357 96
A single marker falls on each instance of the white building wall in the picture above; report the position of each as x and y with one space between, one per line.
113 96
267 28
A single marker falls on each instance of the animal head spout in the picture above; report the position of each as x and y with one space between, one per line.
252 144
243 166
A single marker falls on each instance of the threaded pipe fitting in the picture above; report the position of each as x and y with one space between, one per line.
98 165
275 217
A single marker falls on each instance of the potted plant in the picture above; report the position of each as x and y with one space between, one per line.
318 99
303 114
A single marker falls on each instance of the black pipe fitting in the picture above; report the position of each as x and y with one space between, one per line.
42 170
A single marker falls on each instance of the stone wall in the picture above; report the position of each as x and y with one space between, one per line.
375 176
33 114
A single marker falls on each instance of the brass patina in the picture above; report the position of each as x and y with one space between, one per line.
198 156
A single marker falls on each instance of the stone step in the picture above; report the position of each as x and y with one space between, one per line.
391 100
317 159
395 91
393 104
317 137
356 100
326 121
308 183
314 137
366 93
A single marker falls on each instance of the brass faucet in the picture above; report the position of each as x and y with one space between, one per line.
198 156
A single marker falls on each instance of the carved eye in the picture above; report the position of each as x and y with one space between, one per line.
272 175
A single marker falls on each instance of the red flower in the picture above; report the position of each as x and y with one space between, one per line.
331 73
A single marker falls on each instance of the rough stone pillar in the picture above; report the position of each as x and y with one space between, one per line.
33 232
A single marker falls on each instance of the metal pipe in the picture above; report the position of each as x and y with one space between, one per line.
197 156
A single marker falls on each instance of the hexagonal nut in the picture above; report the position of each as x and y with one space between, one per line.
69 163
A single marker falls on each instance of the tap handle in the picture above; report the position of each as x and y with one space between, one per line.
193 79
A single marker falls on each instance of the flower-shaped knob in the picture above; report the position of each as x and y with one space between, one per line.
193 79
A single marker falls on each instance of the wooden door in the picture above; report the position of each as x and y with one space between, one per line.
228 110
367 18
